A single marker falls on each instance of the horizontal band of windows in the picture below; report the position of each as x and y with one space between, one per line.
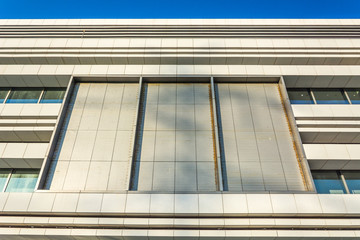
32 95
324 96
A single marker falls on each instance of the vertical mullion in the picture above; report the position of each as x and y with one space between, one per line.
312 95
7 180
7 95
344 182
217 139
41 95
347 96
137 139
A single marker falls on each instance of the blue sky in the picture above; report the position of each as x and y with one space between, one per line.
179 9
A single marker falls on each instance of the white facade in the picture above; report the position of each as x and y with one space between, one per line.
179 129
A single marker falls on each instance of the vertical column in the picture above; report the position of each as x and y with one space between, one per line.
137 139
304 165
215 122
44 174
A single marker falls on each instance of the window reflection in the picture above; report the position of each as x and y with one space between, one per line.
3 93
328 182
22 180
24 95
352 179
330 96
354 96
53 95
300 96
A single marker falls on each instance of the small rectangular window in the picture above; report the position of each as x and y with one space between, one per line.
24 95
330 96
328 182
352 179
23 180
3 94
300 96
354 95
53 95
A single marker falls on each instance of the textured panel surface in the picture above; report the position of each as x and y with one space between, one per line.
177 151
94 149
258 147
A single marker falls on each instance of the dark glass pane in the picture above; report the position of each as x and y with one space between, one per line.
23 180
24 95
300 96
354 96
328 182
53 95
329 96
352 180
3 93
4 173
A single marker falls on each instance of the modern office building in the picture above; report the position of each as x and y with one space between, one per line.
180 129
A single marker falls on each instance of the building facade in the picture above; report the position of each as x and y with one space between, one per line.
180 129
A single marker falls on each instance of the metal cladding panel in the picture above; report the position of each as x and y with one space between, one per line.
177 151
257 143
94 149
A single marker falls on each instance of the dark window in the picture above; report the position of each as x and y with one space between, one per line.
354 95
24 95
53 95
300 96
329 96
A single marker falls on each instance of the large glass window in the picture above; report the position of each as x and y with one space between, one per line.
24 95
354 95
328 182
53 95
22 180
3 93
330 96
300 96
352 179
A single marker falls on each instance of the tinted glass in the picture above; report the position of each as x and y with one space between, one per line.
23 180
3 93
53 95
329 96
300 96
354 96
328 182
24 95
3 178
352 180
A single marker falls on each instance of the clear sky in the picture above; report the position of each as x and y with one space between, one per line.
179 9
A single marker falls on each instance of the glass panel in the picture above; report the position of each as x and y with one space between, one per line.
3 93
354 96
328 182
4 173
329 96
352 180
23 180
53 95
300 96
24 95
